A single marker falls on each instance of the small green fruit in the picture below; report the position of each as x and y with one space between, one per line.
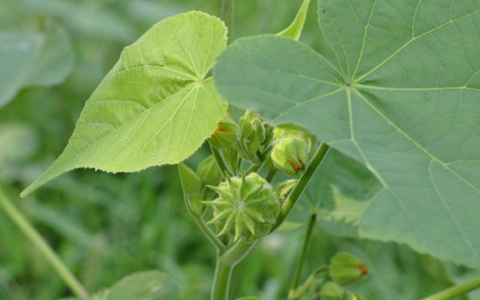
209 172
226 134
289 155
345 269
246 207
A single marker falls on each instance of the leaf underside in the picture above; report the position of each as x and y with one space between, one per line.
155 106
402 96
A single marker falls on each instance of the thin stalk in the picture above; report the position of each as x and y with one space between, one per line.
271 174
204 228
302 184
52 258
220 162
301 260
456 291
228 13
225 264
264 157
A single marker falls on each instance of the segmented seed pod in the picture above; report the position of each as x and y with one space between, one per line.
246 207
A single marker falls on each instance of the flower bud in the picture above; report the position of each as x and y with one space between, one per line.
246 207
292 130
284 188
345 268
209 172
331 291
252 135
289 155
226 134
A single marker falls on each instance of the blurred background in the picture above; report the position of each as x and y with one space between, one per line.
53 54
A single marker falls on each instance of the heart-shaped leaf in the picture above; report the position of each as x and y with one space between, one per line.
401 96
155 106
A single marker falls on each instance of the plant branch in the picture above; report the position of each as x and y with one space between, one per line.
456 291
302 184
52 258
228 12
204 228
225 264
301 260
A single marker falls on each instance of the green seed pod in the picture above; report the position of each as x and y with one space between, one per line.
209 172
289 155
332 291
252 136
226 134
284 188
345 268
246 207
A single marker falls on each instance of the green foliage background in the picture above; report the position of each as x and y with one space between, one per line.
108 226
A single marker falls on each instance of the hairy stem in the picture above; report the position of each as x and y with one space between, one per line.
52 258
456 291
302 184
301 260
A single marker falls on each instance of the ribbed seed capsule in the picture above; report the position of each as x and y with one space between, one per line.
246 207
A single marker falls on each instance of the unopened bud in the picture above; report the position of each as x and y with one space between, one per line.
209 172
331 291
252 135
284 188
289 155
226 134
345 268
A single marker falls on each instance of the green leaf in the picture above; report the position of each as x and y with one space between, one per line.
150 285
295 29
249 298
344 188
155 106
29 58
401 97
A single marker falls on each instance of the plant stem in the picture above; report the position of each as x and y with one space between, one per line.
456 291
225 264
221 281
47 252
220 162
271 174
204 228
302 184
228 12
301 260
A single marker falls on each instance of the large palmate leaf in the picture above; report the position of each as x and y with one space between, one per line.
402 97
155 106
